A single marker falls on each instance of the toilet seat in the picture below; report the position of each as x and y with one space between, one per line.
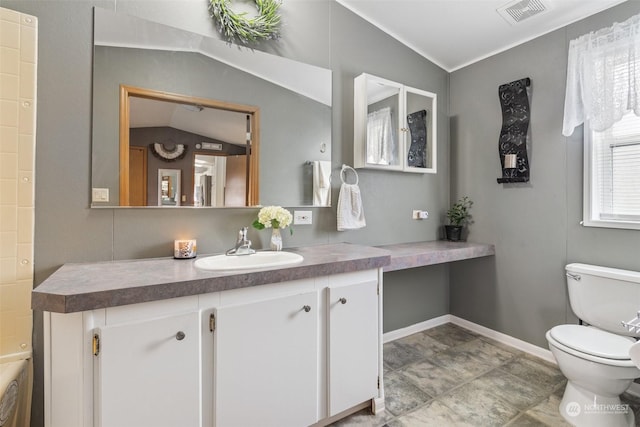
593 341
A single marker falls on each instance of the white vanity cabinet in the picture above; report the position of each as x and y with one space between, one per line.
293 353
129 366
395 126
148 373
352 342
266 362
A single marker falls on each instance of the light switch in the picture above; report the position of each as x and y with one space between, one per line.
100 195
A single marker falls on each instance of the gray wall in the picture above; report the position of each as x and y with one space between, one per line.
534 226
319 32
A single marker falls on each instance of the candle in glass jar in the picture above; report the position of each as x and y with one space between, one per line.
183 249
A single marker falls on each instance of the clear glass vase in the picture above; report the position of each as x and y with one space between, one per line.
276 240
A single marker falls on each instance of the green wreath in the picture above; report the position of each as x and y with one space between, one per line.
236 26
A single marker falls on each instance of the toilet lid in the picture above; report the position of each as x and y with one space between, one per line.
593 341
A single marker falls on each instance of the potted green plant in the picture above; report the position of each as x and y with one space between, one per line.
458 216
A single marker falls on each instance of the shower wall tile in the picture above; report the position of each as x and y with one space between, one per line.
8 192
9 15
8 273
10 35
9 86
18 53
27 75
27 117
8 218
8 112
8 166
9 246
26 153
8 139
25 189
25 225
10 63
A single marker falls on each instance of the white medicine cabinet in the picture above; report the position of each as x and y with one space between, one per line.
394 126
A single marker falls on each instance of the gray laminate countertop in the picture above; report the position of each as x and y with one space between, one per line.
88 286
419 254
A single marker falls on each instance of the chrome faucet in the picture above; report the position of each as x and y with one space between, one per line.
243 245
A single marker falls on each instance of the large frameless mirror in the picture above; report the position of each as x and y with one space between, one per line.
244 128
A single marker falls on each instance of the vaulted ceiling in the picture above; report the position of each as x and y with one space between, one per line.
456 33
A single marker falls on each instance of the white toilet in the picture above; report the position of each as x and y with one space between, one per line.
595 358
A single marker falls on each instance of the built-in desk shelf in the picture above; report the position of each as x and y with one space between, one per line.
420 254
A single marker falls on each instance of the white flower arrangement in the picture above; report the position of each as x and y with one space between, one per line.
273 217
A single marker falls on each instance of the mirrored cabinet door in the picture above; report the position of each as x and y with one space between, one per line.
378 120
420 131
394 126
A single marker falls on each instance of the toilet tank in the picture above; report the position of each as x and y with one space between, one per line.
604 297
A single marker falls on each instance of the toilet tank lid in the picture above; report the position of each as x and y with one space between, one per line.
612 273
593 341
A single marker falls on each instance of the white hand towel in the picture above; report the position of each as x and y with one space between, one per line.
321 183
350 212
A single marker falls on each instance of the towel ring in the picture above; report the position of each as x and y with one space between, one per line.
343 174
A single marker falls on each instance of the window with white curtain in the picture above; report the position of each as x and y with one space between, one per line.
603 93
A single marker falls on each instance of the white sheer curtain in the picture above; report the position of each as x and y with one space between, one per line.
603 76
380 141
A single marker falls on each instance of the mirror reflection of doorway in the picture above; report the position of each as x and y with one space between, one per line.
169 183
137 176
219 180
150 117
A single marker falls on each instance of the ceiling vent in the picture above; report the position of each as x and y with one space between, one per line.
519 10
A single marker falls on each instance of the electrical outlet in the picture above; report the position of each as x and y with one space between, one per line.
418 214
100 195
302 217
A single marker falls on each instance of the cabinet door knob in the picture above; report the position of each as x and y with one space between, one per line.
180 336
307 308
343 300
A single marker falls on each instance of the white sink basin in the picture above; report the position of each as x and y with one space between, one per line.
266 259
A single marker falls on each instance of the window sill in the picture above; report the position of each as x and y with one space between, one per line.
627 225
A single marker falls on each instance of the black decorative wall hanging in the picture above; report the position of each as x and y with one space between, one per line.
417 157
514 101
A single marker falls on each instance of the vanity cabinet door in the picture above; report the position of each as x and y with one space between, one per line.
148 373
353 345
266 362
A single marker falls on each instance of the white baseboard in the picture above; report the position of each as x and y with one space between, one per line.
413 329
516 343
534 350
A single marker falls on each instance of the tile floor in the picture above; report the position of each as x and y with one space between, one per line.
450 376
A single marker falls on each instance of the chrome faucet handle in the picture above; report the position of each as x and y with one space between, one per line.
242 234
243 245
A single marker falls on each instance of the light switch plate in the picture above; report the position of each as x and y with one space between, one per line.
100 195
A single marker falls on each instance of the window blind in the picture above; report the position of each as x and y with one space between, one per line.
616 171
